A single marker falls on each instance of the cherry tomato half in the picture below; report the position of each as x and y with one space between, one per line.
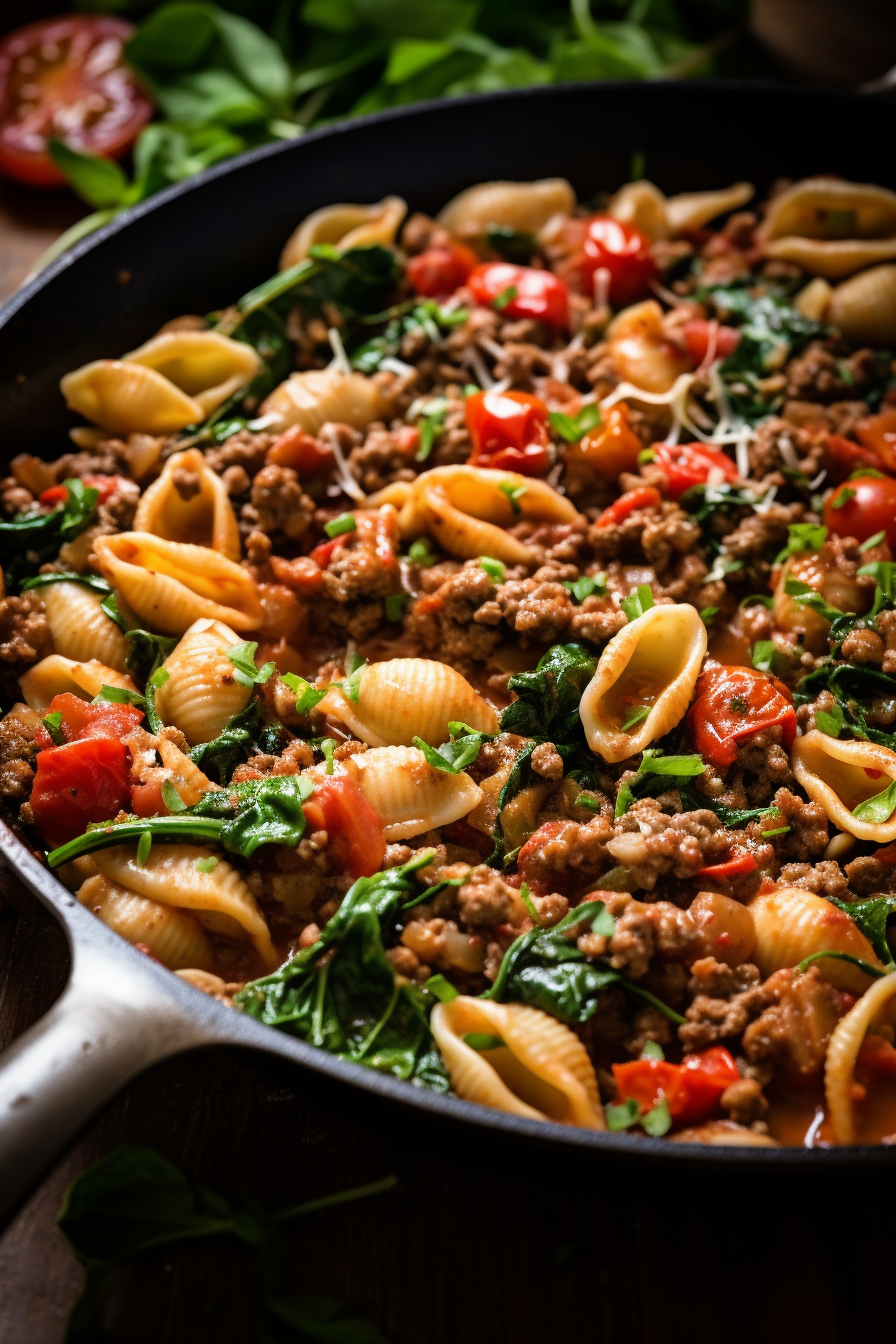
82 719
687 464
862 506
732 704
509 431
81 782
691 1089
440 270
624 252
66 78
354 830
705 339
539 294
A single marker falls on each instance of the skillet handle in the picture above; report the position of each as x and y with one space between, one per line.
109 1025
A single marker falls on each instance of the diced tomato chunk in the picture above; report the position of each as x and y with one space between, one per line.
81 782
304 453
321 554
105 485
521 291
877 433
610 448
709 339
733 704
354 830
509 431
691 1089
689 464
440 270
82 718
643 497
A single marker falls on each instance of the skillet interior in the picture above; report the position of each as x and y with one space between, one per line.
200 245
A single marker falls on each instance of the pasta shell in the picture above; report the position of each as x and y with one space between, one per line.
654 660
125 398
409 795
526 206
864 307
191 782
642 205
173 937
205 365
542 1070
56 675
792 923
311 399
220 899
695 209
170 584
640 351
80 628
345 226
843 1049
831 227
724 1134
836 775
202 515
813 301
201 694
405 698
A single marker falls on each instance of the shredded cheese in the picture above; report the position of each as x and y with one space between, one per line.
346 480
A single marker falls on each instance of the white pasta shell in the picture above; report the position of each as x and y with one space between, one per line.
220 899
191 782
813 300
542 1071
55 675
792 923
201 694
170 584
410 796
526 206
834 774
654 660
172 936
843 1048
831 227
202 516
642 205
864 307
205 365
695 209
404 698
125 398
311 399
640 351
345 226
80 628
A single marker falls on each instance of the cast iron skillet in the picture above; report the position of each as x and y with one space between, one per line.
197 247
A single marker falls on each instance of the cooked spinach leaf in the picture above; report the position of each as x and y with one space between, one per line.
92 581
357 282
44 533
871 917
458 752
771 329
233 746
425 315
547 704
853 686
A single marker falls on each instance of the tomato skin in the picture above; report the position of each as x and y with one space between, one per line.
689 464
322 553
642 497
82 719
106 487
509 431
84 94
877 1059
692 1088
81 782
441 270
622 250
871 509
877 433
737 866
354 831
305 454
702 336
610 448
540 294
146 798
715 727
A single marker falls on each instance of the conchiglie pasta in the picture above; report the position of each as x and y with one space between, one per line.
644 205
169 585
220 899
540 1071
172 936
841 776
640 351
80 628
55 675
724 1134
345 226
126 398
653 663
189 503
205 365
864 307
526 206
792 923
311 399
843 1049
404 698
201 694
189 781
831 227
410 796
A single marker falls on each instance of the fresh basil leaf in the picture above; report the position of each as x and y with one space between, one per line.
53 725
98 181
171 798
245 671
865 966
452 757
514 494
802 537
875 811
396 605
636 715
337 527
652 763
117 695
480 1040
254 56
572 428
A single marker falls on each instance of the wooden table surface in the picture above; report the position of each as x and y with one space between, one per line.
480 1241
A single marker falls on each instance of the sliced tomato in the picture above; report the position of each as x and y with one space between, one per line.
689 464
439 271
732 704
861 507
691 1089
105 486
305 454
354 831
621 250
82 719
509 430
67 78
708 341
81 782
610 448
521 291
642 497
737 866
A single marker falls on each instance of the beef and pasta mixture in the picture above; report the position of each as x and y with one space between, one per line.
474 652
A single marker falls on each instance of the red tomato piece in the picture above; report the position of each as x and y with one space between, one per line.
610 448
79 783
509 431
842 457
736 866
82 719
67 78
321 554
624 252
105 486
441 270
539 294
354 830
877 433
305 454
708 341
732 705
687 464
643 497
647 1081
861 507
691 1089
146 798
